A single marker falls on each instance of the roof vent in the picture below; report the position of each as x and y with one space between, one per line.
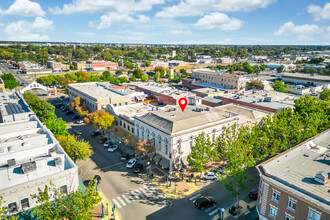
28 167
11 162
51 151
58 161
321 177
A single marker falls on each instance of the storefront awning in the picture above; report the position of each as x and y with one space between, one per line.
151 155
164 163
157 158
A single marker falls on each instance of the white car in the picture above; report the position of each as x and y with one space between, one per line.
108 143
80 121
131 163
209 176
113 148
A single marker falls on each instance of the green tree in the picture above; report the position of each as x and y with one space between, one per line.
280 69
279 86
42 108
144 78
119 72
79 106
155 78
57 126
63 205
263 67
231 70
3 210
76 149
325 95
161 71
100 119
201 152
133 78
137 73
9 81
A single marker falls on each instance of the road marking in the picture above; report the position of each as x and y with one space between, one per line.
121 200
130 196
135 195
210 208
195 196
117 204
142 190
213 212
126 198
140 194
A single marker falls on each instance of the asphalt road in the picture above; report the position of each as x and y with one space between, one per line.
133 196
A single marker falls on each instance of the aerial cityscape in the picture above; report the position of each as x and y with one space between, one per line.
165 110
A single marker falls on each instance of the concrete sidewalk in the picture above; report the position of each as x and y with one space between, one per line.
243 212
107 213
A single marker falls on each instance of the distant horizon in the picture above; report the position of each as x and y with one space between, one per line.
163 22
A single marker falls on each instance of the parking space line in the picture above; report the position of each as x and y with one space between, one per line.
210 208
117 204
195 196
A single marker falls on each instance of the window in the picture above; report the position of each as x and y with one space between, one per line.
120 123
128 128
288 217
64 189
25 203
124 125
166 149
275 196
12 207
313 215
137 132
273 211
133 130
262 186
292 204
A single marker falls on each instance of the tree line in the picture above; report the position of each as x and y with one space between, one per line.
9 81
244 146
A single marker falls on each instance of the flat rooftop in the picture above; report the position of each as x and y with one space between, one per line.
215 73
97 90
12 107
307 76
297 167
172 119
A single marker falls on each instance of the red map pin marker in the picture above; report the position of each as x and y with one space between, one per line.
183 103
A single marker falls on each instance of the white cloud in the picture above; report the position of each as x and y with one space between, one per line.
107 20
25 31
25 8
119 6
179 32
318 12
198 7
217 20
303 32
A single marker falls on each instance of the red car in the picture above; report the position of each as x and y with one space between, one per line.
137 168
253 194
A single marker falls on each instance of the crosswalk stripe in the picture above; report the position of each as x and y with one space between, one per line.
135 195
121 200
142 190
117 204
213 212
210 208
195 196
127 200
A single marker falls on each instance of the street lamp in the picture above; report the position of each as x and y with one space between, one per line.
170 180
221 212
102 209
148 167
107 209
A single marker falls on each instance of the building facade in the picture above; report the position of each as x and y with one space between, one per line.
225 80
2 86
294 185
30 157
79 65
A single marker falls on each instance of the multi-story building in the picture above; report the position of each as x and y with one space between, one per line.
55 66
97 95
225 80
97 65
109 65
79 65
294 184
306 79
30 157
2 86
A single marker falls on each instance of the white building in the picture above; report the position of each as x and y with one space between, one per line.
30 157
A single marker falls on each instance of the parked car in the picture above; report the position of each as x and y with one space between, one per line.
80 121
69 112
137 168
204 202
253 194
59 105
108 143
112 148
219 170
103 140
63 108
126 156
77 132
131 163
94 132
209 176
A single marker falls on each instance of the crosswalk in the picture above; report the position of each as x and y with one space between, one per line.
132 195
211 211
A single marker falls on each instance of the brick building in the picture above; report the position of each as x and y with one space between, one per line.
294 185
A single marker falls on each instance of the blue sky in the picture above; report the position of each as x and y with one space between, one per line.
260 22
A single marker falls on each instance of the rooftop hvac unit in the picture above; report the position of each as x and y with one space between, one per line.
11 162
58 161
28 167
51 151
321 177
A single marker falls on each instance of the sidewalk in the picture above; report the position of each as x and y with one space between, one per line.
243 213
98 209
